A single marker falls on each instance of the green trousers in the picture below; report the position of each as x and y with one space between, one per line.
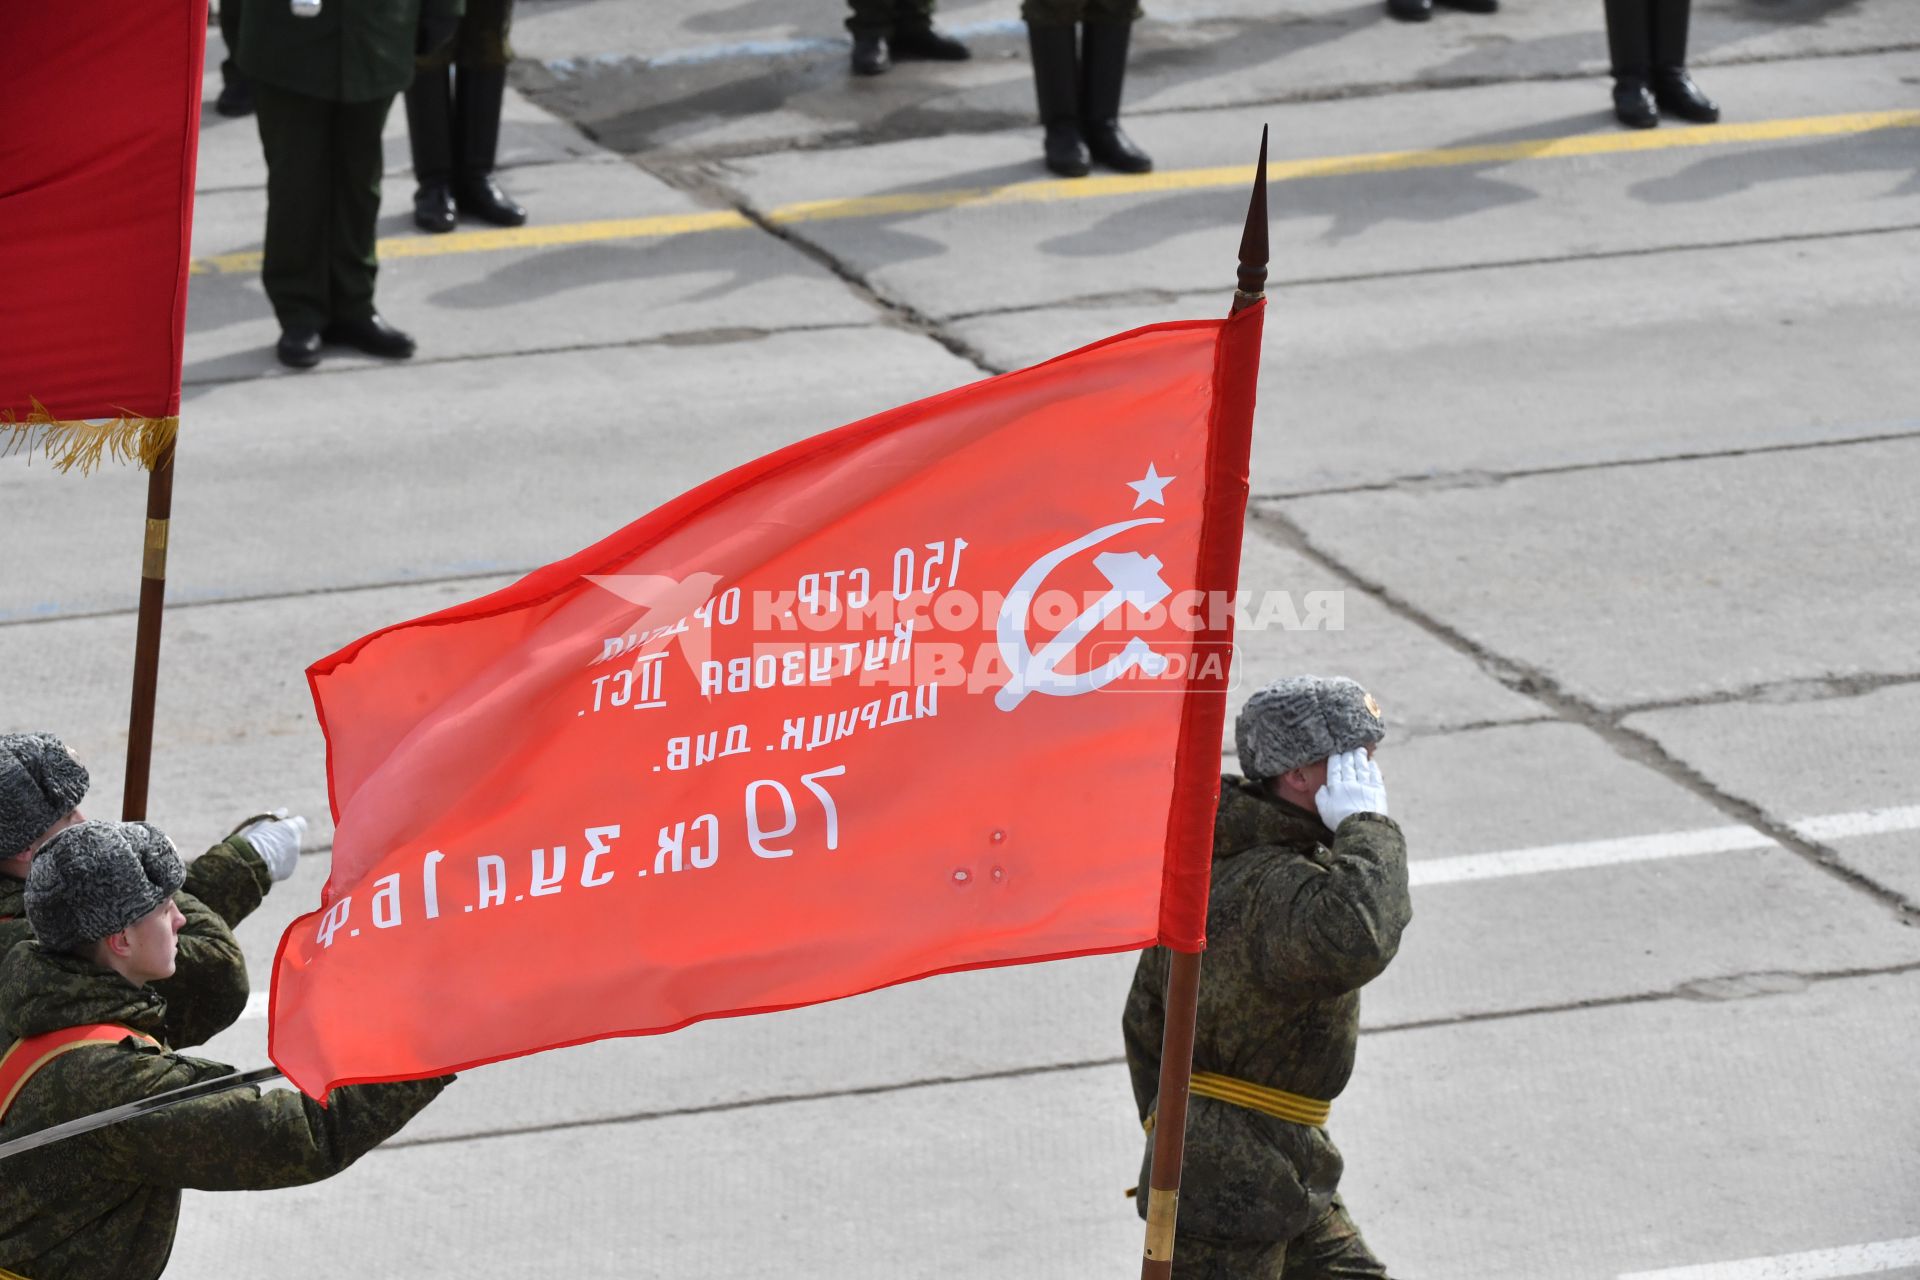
888 16
1331 1249
323 201
480 43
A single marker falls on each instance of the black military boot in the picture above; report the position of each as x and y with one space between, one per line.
1673 88
430 135
1410 10
478 95
927 44
1630 47
1103 71
1056 83
870 56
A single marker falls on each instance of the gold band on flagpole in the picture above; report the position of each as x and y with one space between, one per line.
70 443
154 563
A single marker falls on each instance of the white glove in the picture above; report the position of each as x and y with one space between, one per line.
277 841
1353 786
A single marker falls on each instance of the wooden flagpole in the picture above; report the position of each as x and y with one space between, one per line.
1183 981
146 652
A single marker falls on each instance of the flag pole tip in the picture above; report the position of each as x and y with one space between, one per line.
1253 240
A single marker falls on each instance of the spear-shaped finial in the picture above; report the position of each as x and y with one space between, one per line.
1253 241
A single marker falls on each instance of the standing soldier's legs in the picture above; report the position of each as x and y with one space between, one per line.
1673 88
352 257
430 138
295 135
1332 1249
870 17
1198 1257
1053 40
1630 48
480 57
870 22
236 95
914 36
1103 70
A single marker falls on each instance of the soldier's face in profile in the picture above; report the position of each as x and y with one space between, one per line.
153 942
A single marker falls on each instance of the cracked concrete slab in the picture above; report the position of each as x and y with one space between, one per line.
1426 686
1669 581
1459 377
1812 755
1526 941
679 78
461 305
1394 221
1610 1140
361 475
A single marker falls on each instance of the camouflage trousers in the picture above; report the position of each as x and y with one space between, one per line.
1331 1249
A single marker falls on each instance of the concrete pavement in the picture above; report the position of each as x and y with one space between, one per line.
1607 455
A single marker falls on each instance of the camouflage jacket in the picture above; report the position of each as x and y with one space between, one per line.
1298 920
209 987
103 1205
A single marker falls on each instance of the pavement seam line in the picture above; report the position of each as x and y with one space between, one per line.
373 364
1277 284
1046 191
1444 480
1690 991
707 184
1630 744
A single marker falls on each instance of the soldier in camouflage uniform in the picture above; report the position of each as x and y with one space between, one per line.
41 787
1309 898
106 1203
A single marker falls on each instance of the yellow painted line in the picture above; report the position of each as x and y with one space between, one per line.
542 237
1096 188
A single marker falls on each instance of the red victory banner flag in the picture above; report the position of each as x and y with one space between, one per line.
934 691
97 153
939 690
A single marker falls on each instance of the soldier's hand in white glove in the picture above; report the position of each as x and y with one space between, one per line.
277 840
1353 786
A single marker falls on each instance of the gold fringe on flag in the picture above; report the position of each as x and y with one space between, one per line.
71 443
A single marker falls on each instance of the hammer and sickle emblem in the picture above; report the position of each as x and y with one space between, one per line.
1131 578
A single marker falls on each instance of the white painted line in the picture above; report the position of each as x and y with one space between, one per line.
1818 1264
1596 853
1870 822
1592 853
1652 848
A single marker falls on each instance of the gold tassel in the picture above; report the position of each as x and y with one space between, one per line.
77 442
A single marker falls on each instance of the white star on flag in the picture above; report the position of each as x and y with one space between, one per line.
1151 489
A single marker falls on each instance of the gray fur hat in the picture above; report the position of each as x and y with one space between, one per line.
97 878
40 783
1300 720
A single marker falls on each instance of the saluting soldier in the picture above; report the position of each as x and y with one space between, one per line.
453 122
1079 50
324 75
1309 898
41 788
85 1030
